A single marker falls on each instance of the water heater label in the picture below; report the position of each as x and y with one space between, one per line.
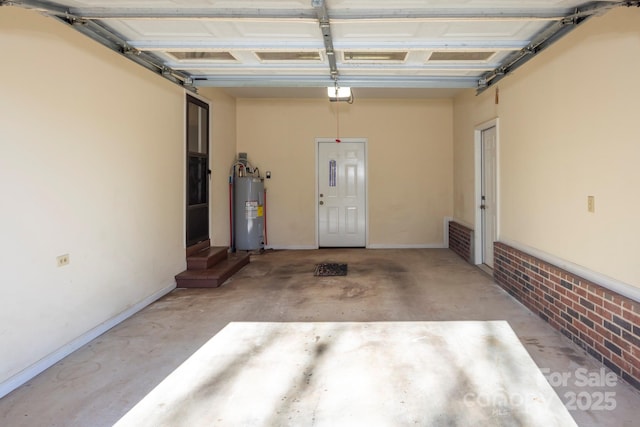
260 211
251 209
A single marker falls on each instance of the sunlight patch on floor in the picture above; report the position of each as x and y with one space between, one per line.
349 374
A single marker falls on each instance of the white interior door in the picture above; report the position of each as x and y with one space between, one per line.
488 194
341 194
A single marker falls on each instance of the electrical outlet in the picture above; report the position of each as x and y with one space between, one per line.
62 260
591 204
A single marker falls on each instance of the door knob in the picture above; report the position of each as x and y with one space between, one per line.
321 202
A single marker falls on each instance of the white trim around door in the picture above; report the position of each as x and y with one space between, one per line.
479 203
317 198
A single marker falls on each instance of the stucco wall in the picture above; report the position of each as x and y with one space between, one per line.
409 164
91 165
568 129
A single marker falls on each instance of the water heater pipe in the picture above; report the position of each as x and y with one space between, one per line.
231 243
265 217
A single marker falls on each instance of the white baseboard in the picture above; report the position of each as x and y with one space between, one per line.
27 374
404 246
291 248
371 246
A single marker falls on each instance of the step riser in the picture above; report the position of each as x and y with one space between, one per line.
212 277
211 283
204 263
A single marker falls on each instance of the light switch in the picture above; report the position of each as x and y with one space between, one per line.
591 204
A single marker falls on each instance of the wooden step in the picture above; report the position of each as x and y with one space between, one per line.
198 247
207 258
214 276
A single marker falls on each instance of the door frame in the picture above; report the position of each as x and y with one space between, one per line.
479 230
316 209
185 184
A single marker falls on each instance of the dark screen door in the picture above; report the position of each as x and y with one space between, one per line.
197 171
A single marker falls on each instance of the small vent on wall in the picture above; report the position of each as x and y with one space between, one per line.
396 56
289 56
460 56
196 56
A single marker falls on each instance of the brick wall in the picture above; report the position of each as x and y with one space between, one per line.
460 240
604 323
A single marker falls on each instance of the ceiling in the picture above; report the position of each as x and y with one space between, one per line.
381 48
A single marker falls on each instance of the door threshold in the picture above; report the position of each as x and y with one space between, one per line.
486 269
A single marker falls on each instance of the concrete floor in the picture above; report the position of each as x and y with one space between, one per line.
334 374
100 383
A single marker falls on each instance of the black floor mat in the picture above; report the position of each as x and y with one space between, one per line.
330 270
